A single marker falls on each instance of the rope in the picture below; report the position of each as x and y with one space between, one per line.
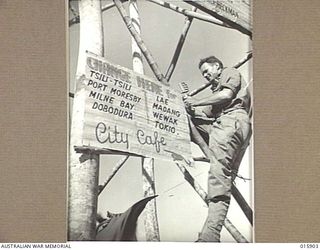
179 184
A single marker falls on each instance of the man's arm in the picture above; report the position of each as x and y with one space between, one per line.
223 96
230 83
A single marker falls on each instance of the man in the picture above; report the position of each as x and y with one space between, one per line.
227 135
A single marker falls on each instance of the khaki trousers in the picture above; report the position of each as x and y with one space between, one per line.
228 137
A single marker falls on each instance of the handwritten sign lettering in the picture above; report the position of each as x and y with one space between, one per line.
235 13
129 112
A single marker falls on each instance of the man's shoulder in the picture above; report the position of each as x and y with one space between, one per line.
230 70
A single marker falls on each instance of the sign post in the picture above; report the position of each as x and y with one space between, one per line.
83 167
148 185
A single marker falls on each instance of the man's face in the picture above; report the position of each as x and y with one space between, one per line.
210 71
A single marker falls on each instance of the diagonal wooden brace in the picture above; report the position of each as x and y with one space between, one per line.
147 54
227 223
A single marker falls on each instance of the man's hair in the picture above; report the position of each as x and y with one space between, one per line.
212 60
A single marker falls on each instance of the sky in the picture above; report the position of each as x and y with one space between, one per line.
181 212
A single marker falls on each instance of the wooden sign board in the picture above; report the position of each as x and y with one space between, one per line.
130 112
235 13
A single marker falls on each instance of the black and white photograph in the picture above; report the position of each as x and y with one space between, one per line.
160 121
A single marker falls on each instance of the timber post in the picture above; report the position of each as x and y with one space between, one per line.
148 185
84 167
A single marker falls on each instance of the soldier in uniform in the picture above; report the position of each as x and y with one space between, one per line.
227 134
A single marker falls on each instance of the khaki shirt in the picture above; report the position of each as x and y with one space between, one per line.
232 79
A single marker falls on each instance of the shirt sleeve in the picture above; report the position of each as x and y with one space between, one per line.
231 79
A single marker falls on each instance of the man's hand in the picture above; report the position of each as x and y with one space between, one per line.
188 102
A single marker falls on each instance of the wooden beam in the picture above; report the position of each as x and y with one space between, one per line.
76 19
189 13
100 151
242 203
243 61
149 189
203 159
148 176
199 190
147 54
108 6
115 170
174 60
84 167
234 232
236 14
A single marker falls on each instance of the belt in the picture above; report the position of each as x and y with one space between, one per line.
231 110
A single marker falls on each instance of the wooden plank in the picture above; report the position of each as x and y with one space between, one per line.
130 112
236 13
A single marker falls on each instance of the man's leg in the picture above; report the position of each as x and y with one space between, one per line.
203 127
219 194
227 138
